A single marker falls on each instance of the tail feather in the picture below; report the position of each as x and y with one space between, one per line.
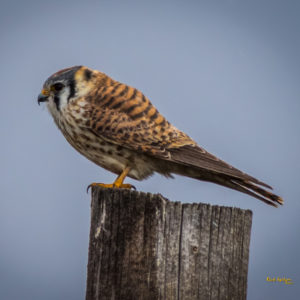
195 162
238 184
246 190
250 189
260 191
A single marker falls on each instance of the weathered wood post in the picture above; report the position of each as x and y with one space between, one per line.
143 246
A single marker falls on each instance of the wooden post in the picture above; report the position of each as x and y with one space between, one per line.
143 246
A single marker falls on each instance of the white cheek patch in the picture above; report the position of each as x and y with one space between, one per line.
54 108
63 97
62 100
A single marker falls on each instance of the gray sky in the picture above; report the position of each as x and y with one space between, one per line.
225 72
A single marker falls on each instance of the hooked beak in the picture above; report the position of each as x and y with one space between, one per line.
43 96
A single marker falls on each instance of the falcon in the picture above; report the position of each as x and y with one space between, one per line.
117 127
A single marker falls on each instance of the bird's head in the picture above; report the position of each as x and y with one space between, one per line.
65 86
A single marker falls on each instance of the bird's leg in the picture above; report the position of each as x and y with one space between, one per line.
118 183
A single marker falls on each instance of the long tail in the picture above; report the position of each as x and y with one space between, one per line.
196 162
248 188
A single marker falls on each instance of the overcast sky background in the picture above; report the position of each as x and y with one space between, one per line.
225 72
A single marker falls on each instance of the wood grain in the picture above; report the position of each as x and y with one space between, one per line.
143 246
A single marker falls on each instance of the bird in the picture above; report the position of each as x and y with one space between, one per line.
116 126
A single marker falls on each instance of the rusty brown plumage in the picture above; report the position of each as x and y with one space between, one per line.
118 128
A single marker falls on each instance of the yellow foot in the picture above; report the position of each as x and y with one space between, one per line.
111 185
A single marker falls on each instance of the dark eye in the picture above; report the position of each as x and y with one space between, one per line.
57 87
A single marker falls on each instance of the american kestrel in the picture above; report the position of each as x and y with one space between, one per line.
117 127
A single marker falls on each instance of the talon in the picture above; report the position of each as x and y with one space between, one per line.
103 185
88 187
125 186
112 185
117 184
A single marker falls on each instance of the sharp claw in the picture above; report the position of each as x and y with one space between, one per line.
88 187
126 186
